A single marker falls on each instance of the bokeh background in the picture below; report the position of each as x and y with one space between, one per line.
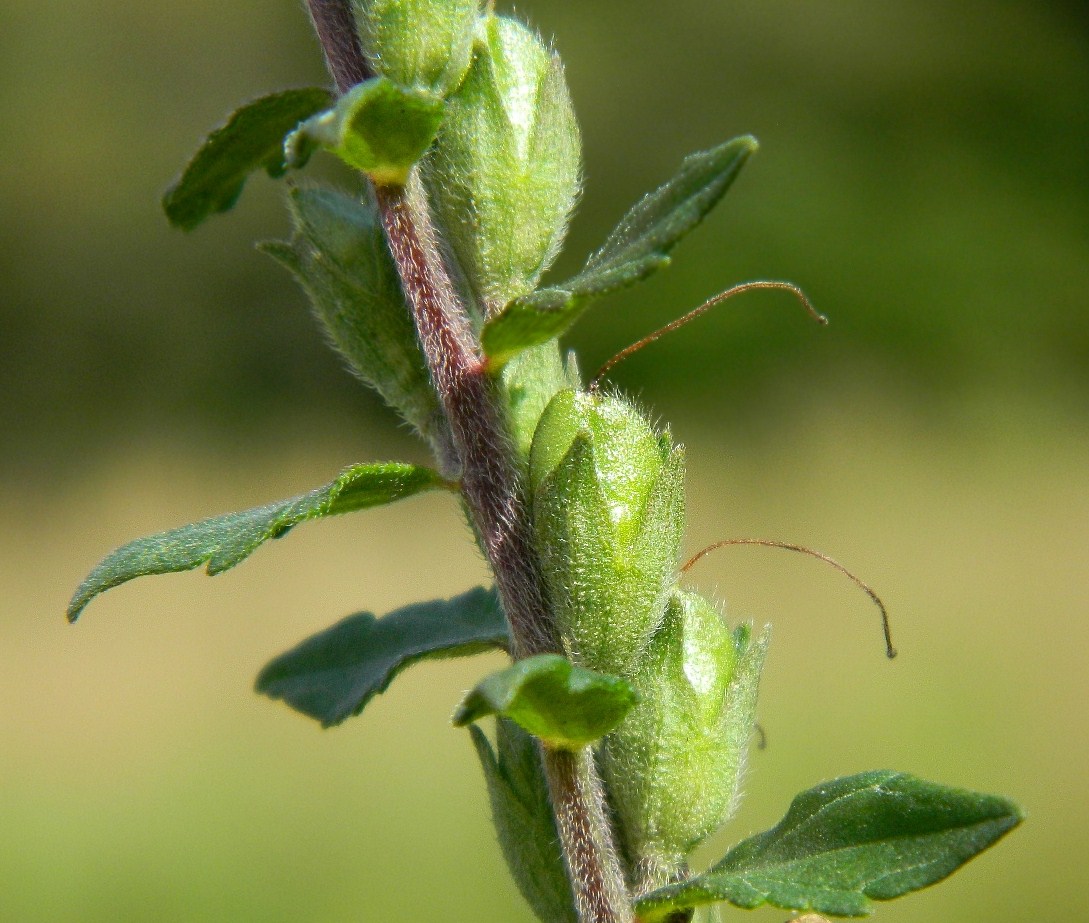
923 175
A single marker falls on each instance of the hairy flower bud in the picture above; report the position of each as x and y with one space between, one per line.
503 174
608 512
674 765
425 44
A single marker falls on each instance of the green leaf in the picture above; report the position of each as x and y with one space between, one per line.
638 246
334 674
564 705
252 138
224 541
340 257
377 127
874 836
522 814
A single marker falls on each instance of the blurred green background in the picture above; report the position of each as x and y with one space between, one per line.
923 176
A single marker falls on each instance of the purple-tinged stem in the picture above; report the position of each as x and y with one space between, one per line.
490 484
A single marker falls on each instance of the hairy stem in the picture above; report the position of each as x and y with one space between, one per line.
592 865
490 483
335 26
489 479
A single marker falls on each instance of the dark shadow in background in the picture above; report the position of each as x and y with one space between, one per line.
922 176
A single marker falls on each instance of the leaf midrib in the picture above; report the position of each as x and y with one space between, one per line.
758 868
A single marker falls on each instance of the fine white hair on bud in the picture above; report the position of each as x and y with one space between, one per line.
426 44
504 173
607 499
674 767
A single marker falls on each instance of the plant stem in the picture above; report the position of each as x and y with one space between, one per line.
586 835
335 26
493 494
489 479
491 485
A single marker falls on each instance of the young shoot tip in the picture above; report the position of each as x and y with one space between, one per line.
718 299
890 651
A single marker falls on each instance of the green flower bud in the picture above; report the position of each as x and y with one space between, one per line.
608 512
425 44
530 380
674 765
503 174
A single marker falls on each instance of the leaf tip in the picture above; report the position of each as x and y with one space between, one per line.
749 143
1012 814
468 711
82 597
176 216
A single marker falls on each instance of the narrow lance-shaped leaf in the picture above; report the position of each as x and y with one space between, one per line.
377 127
251 139
566 706
874 836
335 673
224 541
522 814
638 246
340 256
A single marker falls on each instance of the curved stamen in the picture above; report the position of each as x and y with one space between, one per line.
703 309
890 651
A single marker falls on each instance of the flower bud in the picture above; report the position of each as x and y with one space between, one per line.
503 174
608 512
425 44
530 380
674 765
